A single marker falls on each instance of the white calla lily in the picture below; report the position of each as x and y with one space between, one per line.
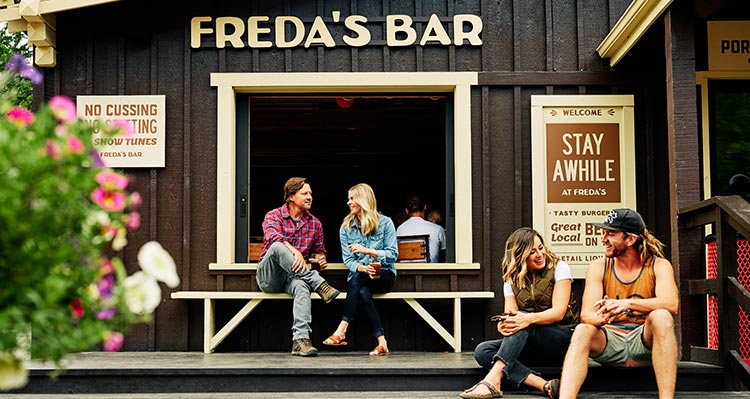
158 263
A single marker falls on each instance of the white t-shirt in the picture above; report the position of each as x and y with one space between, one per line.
562 272
415 225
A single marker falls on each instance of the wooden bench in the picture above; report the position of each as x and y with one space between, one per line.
211 338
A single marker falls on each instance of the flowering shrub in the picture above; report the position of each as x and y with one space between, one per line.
63 216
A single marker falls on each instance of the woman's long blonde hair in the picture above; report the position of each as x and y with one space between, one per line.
518 247
369 218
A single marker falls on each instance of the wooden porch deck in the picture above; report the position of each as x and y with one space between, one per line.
193 375
365 395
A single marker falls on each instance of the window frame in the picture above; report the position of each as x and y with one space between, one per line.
230 84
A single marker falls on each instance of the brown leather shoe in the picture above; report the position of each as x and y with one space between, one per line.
327 292
303 347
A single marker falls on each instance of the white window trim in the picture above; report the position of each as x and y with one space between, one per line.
228 84
702 79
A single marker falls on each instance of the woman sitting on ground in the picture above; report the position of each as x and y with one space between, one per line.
367 238
539 317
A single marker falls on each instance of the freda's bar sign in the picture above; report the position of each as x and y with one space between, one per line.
290 31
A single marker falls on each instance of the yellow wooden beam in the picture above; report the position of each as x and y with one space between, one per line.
17 25
53 6
636 20
37 17
41 34
30 10
36 8
45 56
10 14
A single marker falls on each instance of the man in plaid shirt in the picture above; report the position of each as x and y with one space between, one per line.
291 236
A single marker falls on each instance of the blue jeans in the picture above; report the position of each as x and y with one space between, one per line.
361 287
275 274
541 345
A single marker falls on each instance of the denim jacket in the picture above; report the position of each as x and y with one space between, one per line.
383 241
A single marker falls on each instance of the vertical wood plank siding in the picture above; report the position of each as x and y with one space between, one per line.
529 47
684 150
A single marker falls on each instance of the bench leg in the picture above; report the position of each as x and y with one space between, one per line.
211 340
436 326
208 324
457 324
234 322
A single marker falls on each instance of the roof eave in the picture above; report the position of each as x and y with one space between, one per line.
636 20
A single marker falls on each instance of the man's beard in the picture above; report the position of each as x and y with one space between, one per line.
616 250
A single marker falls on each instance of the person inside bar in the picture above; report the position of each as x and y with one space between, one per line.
291 236
369 249
538 320
417 225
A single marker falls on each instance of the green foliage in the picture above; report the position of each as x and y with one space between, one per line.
63 213
10 44
48 255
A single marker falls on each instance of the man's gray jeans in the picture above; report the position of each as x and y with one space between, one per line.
275 275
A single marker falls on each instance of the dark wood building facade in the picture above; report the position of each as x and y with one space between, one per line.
539 47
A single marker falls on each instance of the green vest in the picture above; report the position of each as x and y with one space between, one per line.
537 296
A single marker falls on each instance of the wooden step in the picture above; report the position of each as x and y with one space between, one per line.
183 372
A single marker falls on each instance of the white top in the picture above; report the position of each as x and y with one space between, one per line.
415 225
562 272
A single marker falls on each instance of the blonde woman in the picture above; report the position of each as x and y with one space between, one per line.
538 319
367 237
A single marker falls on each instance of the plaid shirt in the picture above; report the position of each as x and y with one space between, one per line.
306 236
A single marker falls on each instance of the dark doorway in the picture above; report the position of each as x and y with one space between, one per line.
396 144
730 135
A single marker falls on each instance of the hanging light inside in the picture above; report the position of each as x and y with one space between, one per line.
344 102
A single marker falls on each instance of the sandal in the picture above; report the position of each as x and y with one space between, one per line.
334 340
379 351
552 388
494 392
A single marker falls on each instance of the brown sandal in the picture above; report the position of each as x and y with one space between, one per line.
552 388
334 340
379 351
494 392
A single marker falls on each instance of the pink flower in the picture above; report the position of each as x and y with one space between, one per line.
61 131
111 181
125 128
109 201
20 116
75 145
76 306
106 285
135 200
52 149
113 341
109 232
106 314
63 108
132 220
107 267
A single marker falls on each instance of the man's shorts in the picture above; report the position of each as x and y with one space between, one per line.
624 349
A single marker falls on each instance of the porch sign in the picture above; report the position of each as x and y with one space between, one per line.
583 166
146 114
729 45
